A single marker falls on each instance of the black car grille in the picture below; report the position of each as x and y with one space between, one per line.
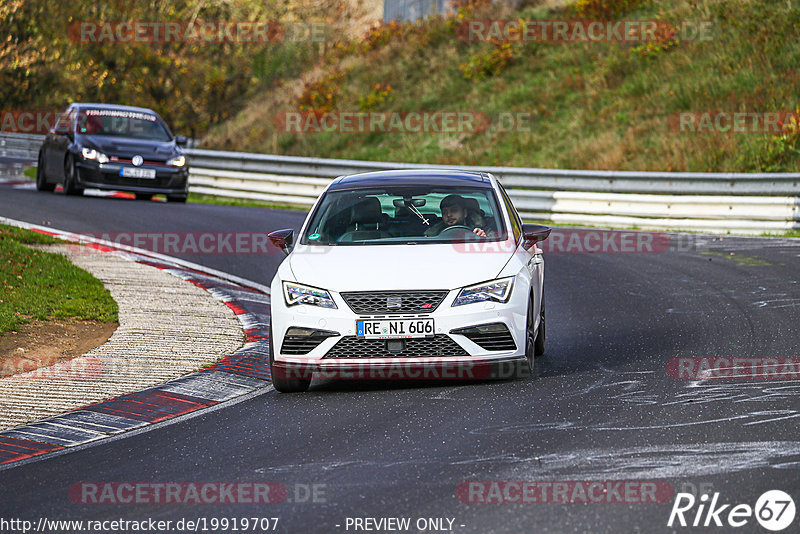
438 346
300 346
494 336
378 302
113 179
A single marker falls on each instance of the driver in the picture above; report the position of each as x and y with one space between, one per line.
455 213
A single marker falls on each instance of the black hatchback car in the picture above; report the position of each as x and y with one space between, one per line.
121 148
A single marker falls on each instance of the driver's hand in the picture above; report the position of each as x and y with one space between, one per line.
479 232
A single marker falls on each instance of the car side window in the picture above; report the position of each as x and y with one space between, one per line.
516 223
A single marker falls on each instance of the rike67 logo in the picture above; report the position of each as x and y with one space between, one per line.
774 510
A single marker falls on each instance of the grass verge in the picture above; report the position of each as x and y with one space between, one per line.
225 201
37 285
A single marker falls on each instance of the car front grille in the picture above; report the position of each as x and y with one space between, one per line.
493 336
438 346
113 179
389 302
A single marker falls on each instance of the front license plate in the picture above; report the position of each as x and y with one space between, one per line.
394 328
135 172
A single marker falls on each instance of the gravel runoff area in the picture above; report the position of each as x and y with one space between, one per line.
167 327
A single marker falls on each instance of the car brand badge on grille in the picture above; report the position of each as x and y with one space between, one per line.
394 302
137 160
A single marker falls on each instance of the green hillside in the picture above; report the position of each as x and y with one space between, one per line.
593 105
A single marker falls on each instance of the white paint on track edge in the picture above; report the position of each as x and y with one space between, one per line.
147 427
63 234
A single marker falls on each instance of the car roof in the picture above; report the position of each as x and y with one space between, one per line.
93 105
434 177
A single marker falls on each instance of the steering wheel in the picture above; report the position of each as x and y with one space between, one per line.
460 227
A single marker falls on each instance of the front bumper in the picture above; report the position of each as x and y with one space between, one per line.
473 361
168 180
478 368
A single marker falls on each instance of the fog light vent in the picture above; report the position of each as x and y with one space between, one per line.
303 340
492 336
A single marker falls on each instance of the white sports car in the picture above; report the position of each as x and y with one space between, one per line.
407 274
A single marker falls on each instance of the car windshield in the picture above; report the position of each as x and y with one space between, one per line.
400 215
122 123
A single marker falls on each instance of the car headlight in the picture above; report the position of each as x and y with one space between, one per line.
177 161
496 290
90 153
300 294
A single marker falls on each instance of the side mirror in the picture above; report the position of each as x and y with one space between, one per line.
181 140
283 239
534 233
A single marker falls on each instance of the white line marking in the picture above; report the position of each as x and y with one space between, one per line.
63 234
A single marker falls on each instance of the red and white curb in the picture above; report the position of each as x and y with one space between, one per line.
235 375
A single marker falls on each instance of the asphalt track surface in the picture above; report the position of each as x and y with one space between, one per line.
601 406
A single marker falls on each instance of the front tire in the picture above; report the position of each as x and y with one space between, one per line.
526 368
41 177
70 178
283 384
539 345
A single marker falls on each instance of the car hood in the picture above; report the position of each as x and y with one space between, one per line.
384 267
127 148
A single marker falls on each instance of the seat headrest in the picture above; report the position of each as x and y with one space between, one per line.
367 211
472 204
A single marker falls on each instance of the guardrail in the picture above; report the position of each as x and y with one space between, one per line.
713 202
21 146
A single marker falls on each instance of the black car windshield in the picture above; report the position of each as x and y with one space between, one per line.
122 123
405 214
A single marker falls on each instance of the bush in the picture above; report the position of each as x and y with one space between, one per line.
490 62
378 95
604 9
320 96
